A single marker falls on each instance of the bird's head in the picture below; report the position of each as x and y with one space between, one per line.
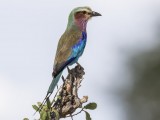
84 13
80 16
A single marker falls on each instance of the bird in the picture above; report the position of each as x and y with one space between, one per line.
71 44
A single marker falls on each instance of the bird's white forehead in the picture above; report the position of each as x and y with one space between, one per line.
87 9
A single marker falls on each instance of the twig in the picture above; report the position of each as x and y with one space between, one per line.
56 95
76 113
71 116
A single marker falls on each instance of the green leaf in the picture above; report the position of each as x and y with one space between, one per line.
57 114
88 117
48 116
25 119
48 103
35 107
39 104
53 101
91 106
58 97
44 116
44 108
41 113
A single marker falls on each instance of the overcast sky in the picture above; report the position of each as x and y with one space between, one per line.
29 33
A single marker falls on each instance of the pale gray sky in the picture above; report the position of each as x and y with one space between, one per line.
29 33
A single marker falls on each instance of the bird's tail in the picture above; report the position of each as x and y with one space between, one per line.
50 90
54 83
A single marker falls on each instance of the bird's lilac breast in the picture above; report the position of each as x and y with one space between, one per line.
78 48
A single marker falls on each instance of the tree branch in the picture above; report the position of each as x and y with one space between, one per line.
68 100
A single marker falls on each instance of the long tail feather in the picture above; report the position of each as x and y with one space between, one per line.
54 83
50 91
43 102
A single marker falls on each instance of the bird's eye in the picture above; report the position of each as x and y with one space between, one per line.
89 13
84 12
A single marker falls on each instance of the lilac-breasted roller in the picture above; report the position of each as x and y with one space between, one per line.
72 43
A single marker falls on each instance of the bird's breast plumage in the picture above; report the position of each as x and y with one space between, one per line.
78 48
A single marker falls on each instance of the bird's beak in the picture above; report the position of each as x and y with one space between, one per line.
94 14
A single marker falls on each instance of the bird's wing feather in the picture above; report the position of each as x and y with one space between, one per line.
64 49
